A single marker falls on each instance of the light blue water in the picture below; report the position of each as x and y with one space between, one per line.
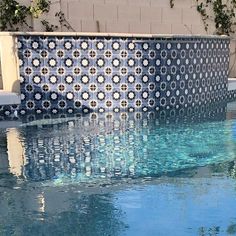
119 175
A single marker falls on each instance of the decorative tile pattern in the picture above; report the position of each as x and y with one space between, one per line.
231 96
69 74
9 112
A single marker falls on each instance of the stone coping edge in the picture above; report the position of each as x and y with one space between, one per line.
126 35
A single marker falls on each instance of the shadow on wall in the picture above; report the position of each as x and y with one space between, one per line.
50 101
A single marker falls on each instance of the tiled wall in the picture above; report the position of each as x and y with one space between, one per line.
111 74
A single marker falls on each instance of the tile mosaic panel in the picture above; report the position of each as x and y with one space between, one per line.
69 74
231 96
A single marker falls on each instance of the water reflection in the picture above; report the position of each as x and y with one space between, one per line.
100 148
59 213
70 154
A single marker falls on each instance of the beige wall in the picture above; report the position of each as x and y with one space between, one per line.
9 68
130 16
133 16
1 84
232 68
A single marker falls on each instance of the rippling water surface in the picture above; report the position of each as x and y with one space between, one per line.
120 174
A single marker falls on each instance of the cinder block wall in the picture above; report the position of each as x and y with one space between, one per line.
130 16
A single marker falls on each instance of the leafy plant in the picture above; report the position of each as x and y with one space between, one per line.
49 27
224 17
172 3
63 21
224 14
201 8
12 14
38 7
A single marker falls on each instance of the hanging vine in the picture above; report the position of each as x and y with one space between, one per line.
172 3
201 8
63 22
38 7
14 16
223 14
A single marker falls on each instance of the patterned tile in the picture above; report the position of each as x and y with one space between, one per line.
73 74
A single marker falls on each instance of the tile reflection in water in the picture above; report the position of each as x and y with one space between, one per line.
111 146
97 148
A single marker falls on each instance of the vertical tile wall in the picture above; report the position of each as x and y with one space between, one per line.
101 74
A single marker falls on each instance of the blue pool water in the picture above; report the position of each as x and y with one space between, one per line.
120 174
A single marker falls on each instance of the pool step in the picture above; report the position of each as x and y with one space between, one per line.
9 98
231 84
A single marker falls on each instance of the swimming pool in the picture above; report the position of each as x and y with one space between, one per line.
142 173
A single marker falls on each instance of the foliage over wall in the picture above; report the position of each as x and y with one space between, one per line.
15 16
223 14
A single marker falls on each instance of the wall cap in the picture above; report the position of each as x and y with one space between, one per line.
126 35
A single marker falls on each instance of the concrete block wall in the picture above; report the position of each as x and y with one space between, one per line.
232 66
127 16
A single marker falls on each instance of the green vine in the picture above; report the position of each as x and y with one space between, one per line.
224 14
13 15
63 22
201 8
38 7
172 3
49 27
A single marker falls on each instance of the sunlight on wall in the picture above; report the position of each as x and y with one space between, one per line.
15 152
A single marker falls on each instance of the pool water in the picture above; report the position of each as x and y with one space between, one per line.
120 174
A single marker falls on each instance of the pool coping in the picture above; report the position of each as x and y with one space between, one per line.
9 98
124 35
